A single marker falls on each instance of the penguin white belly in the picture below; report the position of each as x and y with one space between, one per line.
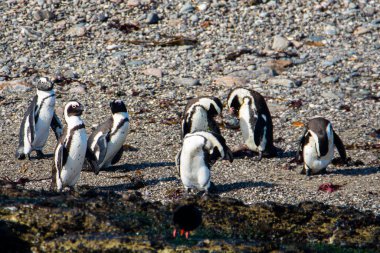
194 171
42 127
115 144
246 128
27 137
311 159
71 170
199 121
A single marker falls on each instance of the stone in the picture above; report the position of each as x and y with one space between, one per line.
278 65
133 3
362 30
188 82
282 82
330 79
152 18
202 7
77 31
330 30
329 95
280 43
186 8
78 90
194 18
15 86
153 72
230 81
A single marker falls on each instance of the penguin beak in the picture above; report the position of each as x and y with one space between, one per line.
81 108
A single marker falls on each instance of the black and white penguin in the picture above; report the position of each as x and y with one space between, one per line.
316 147
199 152
199 115
105 144
70 151
254 119
40 115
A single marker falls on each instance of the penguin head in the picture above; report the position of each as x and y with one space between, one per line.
320 129
118 106
235 99
216 107
44 84
73 108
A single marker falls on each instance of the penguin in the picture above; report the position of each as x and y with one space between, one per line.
316 146
199 152
199 115
70 151
186 218
34 129
254 119
105 144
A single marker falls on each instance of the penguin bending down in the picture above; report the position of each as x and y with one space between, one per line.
316 147
199 115
40 115
70 151
105 144
254 119
199 152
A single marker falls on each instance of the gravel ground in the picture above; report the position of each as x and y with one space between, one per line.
306 58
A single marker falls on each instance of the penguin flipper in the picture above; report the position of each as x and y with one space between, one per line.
185 128
339 145
258 133
91 160
32 117
102 145
178 161
301 143
117 157
57 126
213 125
61 159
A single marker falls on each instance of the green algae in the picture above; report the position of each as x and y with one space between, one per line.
91 220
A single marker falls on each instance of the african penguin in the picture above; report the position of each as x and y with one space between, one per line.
254 119
70 151
40 115
199 115
316 147
199 152
105 144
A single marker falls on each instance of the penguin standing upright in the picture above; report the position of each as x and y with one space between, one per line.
105 144
255 120
70 151
40 115
316 147
199 152
199 115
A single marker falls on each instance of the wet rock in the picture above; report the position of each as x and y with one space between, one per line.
280 43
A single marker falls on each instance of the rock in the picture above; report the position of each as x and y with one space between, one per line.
278 65
330 30
362 30
262 73
188 82
153 72
369 11
186 8
78 90
330 79
133 3
77 31
14 86
282 82
329 95
135 63
202 7
280 43
194 18
230 81
152 18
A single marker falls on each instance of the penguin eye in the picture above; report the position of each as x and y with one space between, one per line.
74 106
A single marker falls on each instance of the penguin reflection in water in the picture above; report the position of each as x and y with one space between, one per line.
38 118
316 147
70 152
105 144
255 121
199 115
199 152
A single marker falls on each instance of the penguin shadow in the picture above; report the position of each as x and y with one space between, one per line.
46 156
223 188
135 185
138 166
287 154
356 171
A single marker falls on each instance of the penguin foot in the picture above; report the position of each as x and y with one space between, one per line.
258 158
40 154
20 156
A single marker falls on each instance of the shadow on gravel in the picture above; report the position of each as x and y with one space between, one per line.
135 185
222 188
357 171
139 166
